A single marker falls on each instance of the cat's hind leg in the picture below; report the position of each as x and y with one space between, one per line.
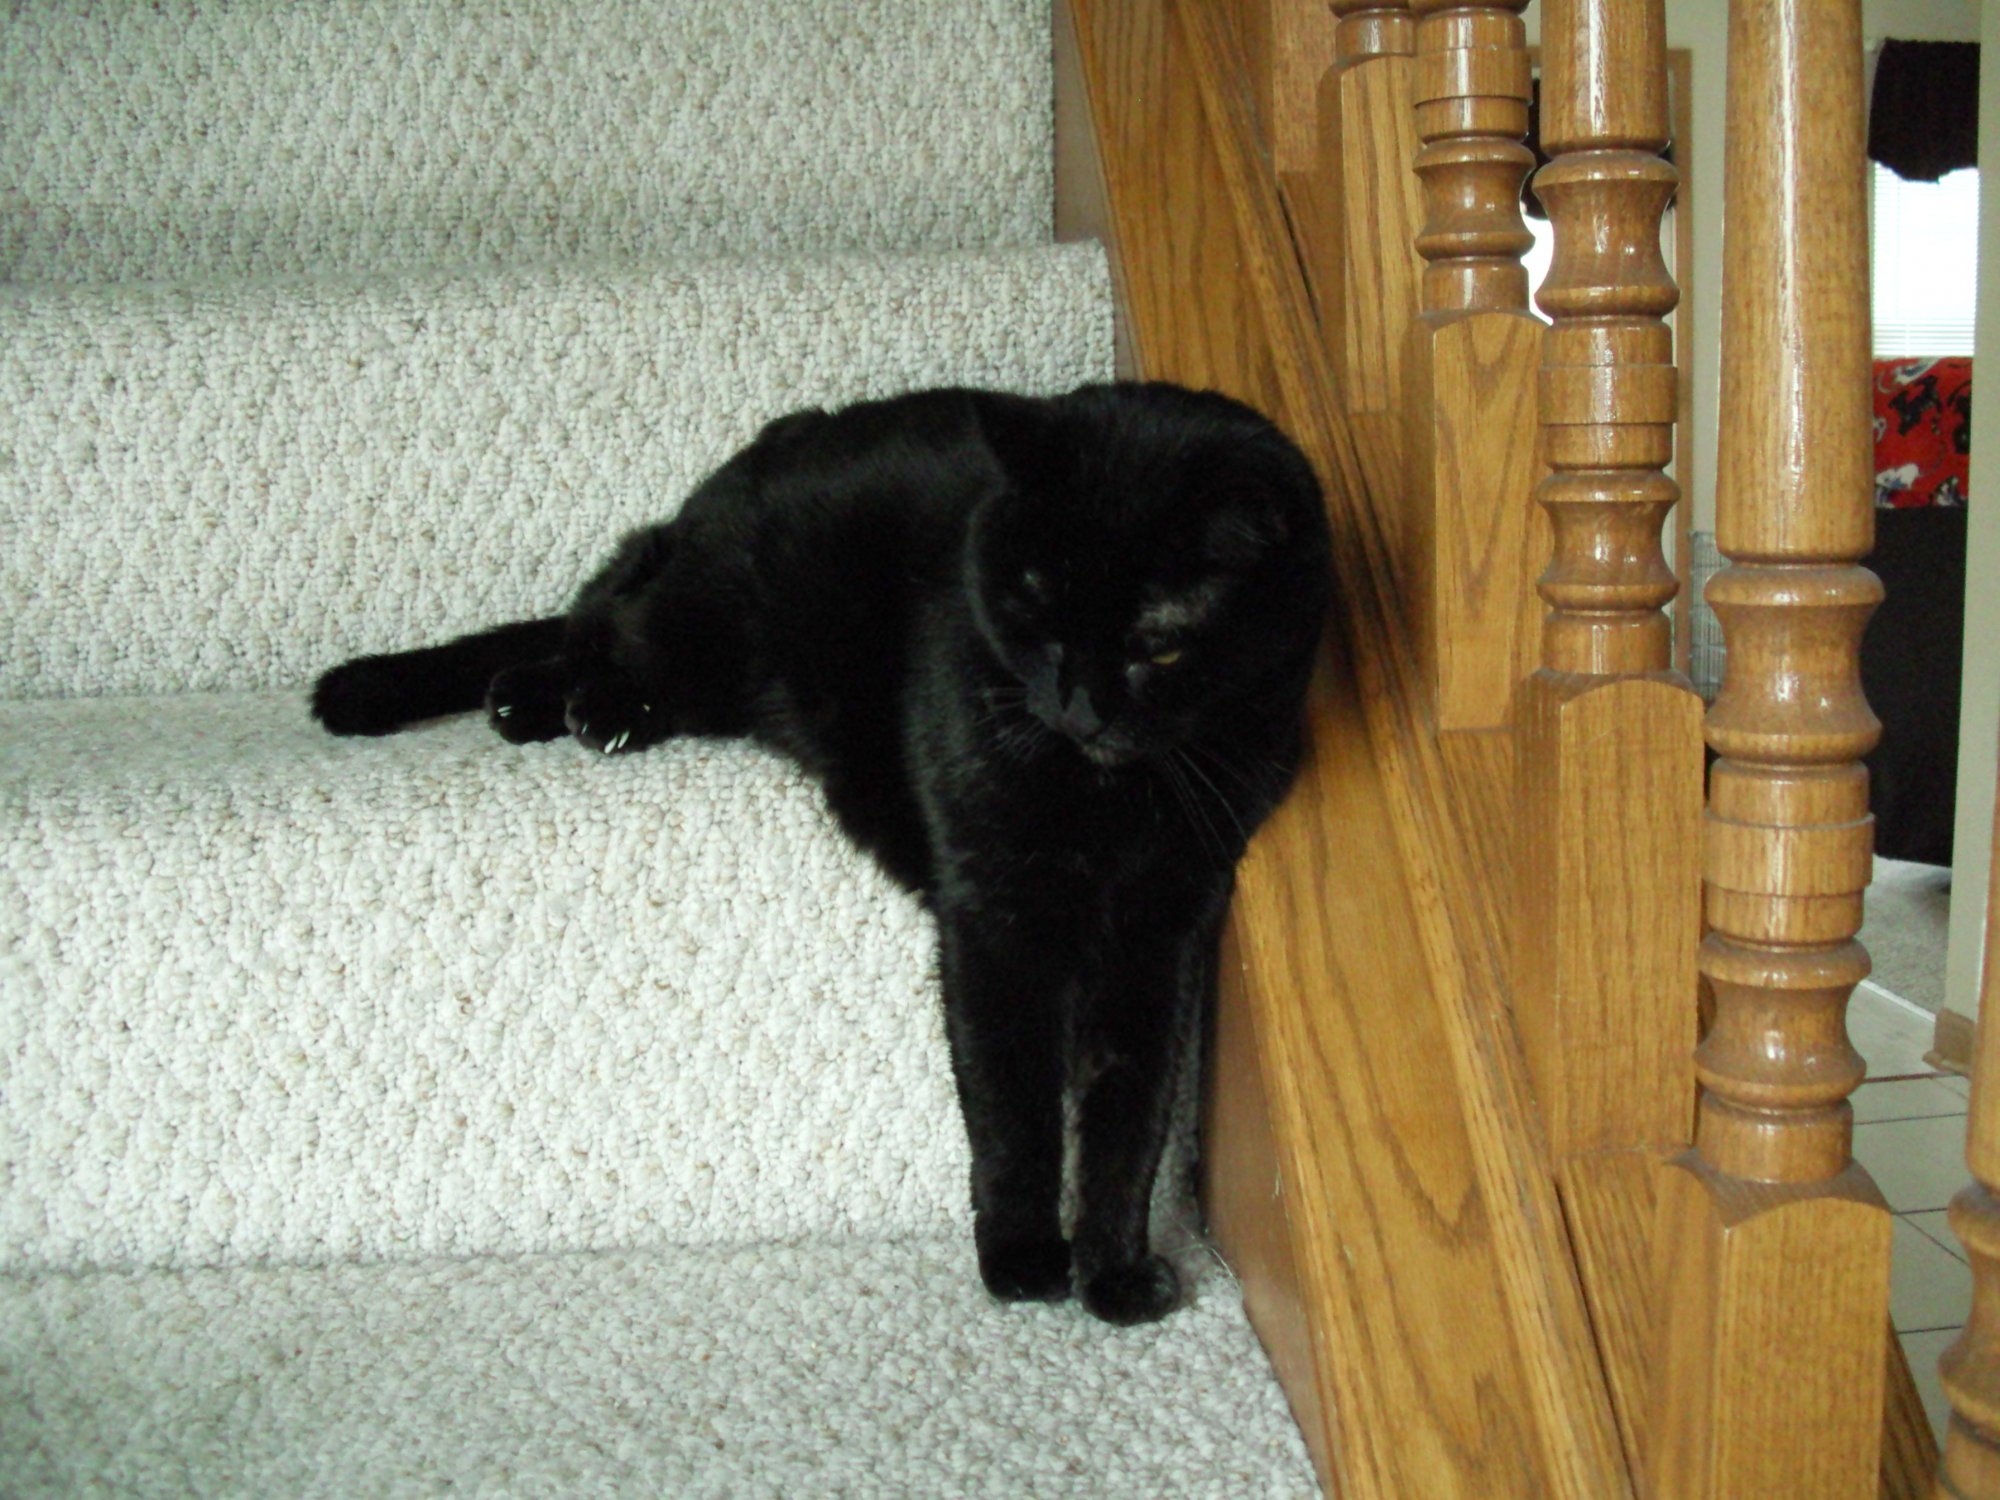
1003 996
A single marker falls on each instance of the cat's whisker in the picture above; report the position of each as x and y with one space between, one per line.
1220 762
1201 794
1198 819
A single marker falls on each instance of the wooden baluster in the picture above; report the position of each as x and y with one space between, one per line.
1470 452
1472 93
1609 738
1373 122
1773 1250
1970 1369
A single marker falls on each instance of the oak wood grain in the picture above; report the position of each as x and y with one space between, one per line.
1610 1200
1608 908
1243 1192
1471 459
1607 876
1772 1244
1770 1364
1381 205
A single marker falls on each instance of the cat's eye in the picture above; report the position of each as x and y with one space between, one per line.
1166 658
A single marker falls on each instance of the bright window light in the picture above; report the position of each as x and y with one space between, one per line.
1923 243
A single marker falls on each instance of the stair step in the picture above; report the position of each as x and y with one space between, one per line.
200 138
852 1368
267 995
234 485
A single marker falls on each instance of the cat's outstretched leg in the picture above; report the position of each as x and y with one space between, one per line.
1003 991
382 694
612 697
1130 1036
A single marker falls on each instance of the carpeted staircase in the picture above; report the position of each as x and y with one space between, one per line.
434 1115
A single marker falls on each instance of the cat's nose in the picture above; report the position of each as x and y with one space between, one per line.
1079 717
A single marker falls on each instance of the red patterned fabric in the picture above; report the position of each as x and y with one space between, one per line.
1923 431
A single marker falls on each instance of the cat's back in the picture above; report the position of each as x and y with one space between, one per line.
907 469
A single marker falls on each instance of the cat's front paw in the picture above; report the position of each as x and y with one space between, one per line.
611 714
1142 1292
525 704
1035 1270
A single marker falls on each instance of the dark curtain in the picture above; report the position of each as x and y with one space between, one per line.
1923 118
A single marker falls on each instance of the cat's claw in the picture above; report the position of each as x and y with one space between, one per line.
524 704
604 715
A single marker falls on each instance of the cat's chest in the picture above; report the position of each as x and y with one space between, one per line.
1072 819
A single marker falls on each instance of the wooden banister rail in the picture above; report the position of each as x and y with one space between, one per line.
1772 1253
1469 440
1609 748
1970 1369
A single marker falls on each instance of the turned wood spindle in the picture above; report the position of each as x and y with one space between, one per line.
1772 1248
1789 840
1473 86
1469 430
1373 28
1610 739
1609 387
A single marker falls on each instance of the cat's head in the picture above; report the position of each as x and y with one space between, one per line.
1155 562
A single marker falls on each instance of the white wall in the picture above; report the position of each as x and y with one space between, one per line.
1979 726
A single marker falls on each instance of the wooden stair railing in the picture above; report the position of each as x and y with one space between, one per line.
1970 1368
1607 736
1373 1169
1453 1067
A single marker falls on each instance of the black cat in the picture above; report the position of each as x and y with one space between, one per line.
1047 657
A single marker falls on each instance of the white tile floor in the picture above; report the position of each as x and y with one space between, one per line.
1909 1132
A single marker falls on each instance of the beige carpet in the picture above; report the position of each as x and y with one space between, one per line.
1905 930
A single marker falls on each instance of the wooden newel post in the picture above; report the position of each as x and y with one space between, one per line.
1970 1369
1469 441
1772 1260
1609 736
